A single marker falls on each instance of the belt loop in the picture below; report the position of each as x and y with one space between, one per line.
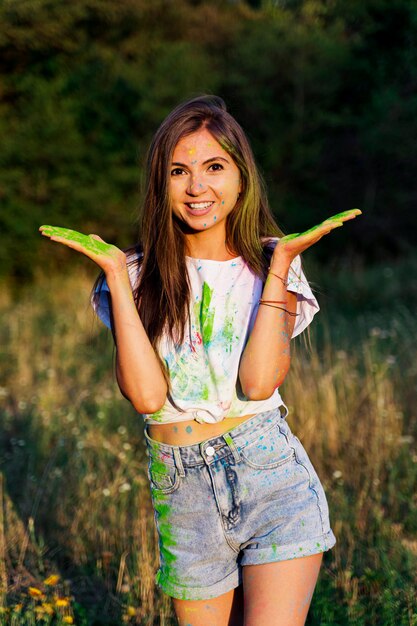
178 461
229 440
283 406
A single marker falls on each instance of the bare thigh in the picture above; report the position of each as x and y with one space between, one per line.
225 610
279 594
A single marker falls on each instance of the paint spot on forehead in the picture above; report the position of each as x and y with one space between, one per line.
191 151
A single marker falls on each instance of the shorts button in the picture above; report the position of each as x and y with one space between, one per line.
210 451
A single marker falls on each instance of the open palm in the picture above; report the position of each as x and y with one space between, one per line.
107 256
296 243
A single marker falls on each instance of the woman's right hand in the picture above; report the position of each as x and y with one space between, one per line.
108 257
139 373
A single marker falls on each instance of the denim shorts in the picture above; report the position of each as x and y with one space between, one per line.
247 497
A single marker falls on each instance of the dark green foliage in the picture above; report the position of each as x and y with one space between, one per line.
326 91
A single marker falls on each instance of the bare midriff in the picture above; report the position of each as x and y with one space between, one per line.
190 432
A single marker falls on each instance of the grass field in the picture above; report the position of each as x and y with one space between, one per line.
75 499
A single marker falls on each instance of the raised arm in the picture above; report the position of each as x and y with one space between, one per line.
138 370
266 358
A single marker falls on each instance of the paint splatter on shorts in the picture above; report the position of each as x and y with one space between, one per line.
246 497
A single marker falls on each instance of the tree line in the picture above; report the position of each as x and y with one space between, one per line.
325 89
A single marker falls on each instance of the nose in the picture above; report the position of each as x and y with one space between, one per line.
196 186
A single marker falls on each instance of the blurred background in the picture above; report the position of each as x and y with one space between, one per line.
326 91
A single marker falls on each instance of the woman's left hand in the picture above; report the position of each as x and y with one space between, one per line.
290 246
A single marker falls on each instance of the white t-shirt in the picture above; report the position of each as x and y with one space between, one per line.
204 369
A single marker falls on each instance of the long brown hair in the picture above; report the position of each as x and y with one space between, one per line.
162 294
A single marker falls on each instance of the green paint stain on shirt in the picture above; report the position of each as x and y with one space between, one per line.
228 334
206 315
205 392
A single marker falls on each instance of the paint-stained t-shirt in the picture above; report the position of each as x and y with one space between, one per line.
204 369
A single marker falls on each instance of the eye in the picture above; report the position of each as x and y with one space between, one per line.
216 167
177 171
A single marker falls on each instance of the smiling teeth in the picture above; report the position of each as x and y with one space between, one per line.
200 205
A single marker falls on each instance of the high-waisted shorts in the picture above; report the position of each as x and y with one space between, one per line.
247 497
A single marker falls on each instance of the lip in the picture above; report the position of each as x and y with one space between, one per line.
198 212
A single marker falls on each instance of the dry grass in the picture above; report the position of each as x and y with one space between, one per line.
75 488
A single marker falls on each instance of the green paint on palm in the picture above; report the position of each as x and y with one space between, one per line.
87 241
343 215
337 219
289 237
206 315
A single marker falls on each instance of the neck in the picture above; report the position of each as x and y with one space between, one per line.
203 247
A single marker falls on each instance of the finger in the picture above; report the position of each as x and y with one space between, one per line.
65 233
344 215
323 228
58 230
69 243
70 238
319 231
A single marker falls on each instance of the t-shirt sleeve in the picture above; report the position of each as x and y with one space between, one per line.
100 302
307 305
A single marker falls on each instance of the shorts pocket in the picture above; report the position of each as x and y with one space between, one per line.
268 451
164 478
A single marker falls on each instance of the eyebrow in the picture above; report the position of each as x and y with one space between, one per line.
218 158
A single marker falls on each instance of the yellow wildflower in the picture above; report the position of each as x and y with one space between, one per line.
62 602
39 609
17 607
68 619
35 592
53 579
131 611
48 608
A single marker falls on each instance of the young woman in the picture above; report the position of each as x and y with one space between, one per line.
202 314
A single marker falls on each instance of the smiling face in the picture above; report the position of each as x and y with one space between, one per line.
204 184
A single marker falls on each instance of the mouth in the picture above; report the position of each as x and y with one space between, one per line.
198 208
